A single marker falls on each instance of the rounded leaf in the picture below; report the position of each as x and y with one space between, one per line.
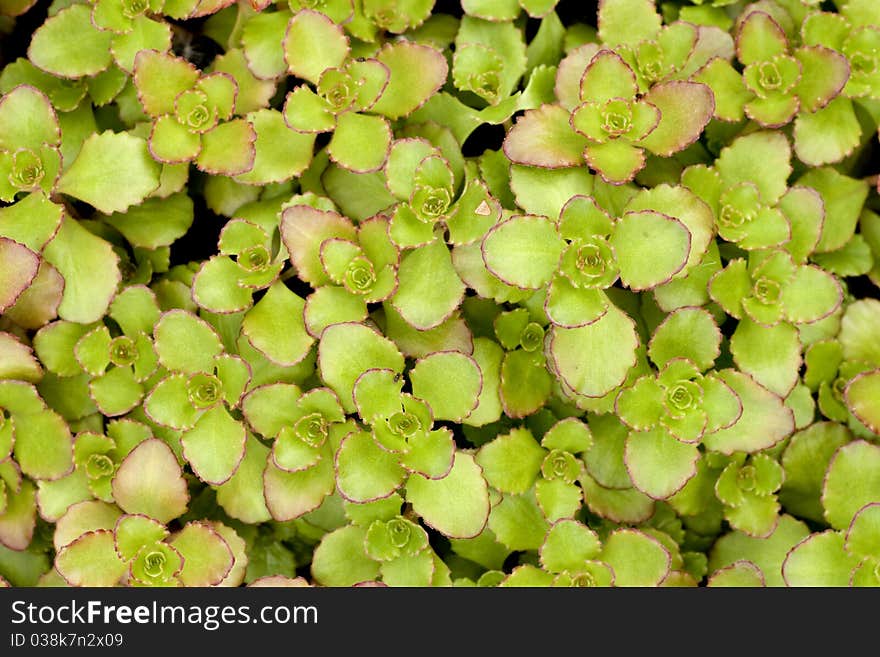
593 360
149 481
651 248
636 558
862 395
348 350
450 382
523 251
457 505
851 482
313 44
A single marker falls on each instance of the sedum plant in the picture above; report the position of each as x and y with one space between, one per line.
493 293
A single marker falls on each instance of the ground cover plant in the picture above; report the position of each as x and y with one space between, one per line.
478 293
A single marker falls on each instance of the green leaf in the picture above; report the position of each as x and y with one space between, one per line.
759 39
18 270
616 161
851 482
416 72
594 359
149 481
570 307
90 269
523 251
727 86
741 574
861 396
457 505
186 343
259 36
761 158
685 109
146 34
659 464
770 354
511 462
43 446
28 120
568 545
805 460
156 222
134 532
641 405
207 558
364 471
636 558
863 535
824 73
241 496
829 135
112 172
843 198
348 350
229 149
116 392
360 142
303 230
91 560
276 327
280 153
214 446
305 111
766 553
488 356
41 225
544 138
429 289
811 295
547 191
640 238
819 560
558 499
171 142
160 78
764 422
628 22
340 559
686 333
518 523
730 286
69 45
447 403
681 204
290 495
312 44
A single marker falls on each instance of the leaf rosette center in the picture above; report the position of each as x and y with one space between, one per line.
559 464
532 336
99 466
134 8
589 263
204 390
123 351
312 429
27 169
360 277
617 117
338 88
192 110
683 396
767 291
